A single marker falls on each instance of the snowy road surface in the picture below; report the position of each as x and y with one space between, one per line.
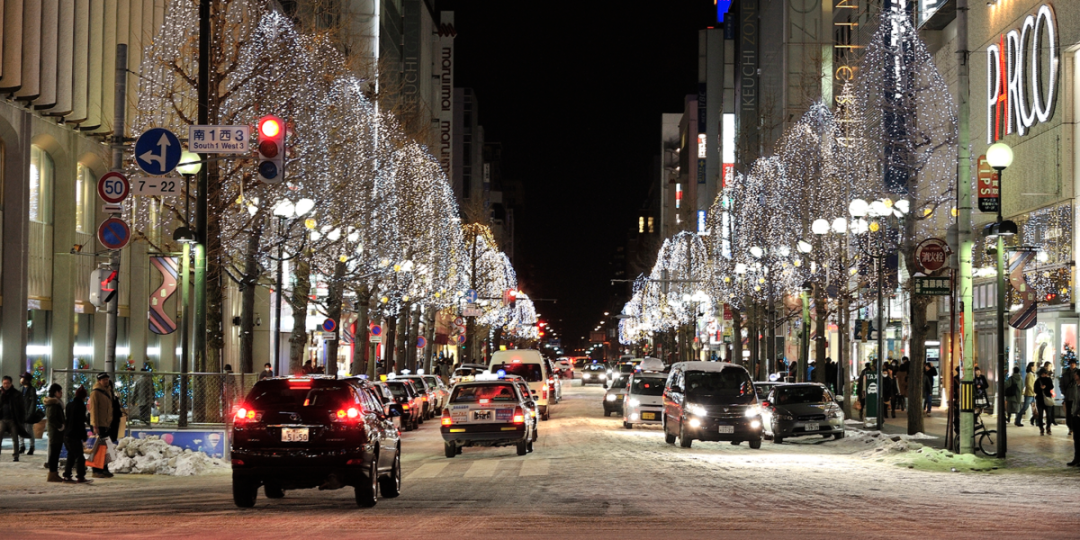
588 478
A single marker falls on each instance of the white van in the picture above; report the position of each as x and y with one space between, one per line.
529 365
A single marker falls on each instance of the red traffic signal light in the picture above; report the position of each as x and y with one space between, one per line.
102 287
271 149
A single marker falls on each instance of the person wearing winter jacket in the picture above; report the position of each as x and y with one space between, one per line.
54 424
12 416
101 416
1044 401
75 436
1074 414
981 384
30 409
1014 395
1029 393
1069 390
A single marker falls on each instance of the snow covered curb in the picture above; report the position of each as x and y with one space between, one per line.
155 456
907 451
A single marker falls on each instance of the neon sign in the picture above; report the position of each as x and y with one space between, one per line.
1016 97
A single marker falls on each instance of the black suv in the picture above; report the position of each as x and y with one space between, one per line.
317 431
711 401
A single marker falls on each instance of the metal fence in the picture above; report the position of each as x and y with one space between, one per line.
154 398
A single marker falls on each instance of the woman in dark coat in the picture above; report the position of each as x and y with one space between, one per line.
1044 399
54 417
75 436
30 408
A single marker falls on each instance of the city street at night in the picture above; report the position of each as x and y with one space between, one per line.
439 269
587 478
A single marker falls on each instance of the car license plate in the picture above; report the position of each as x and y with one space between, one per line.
481 415
294 434
648 416
811 427
727 429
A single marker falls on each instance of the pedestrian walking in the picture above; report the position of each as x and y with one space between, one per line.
54 425
929 372
1029 394
101 415
981 384
1069 391
12 415
1044 401
902 383
267 372
231 391
888 393
831 374
33 413
1074 415
1014 395
75 436
861 391
144 395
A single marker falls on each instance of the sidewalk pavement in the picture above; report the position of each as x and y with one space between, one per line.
1026 448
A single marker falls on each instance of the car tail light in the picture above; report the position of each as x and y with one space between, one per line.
425 398
245 415
544 394
238 462
446 420
345 415
519 416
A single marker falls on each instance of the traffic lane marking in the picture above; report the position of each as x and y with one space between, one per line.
483 468
535 467
428 470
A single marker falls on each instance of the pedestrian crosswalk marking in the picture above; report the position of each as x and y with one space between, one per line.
483 468
429 470
535 467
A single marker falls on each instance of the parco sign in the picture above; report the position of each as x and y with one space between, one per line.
1021 83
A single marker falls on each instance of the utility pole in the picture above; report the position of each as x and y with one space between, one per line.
120 108
201 187
963 193
470 322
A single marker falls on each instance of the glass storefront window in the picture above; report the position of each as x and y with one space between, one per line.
85 183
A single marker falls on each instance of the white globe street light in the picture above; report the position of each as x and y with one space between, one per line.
839 225
805 247
190 164
999 156
858 208
757 252
820 226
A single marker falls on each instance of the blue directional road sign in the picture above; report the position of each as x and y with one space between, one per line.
157 151
470 296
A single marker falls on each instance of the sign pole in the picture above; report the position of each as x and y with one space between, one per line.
963 225
120 107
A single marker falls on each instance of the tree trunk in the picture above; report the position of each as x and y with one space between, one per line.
414 337
429 336
252 270
918 360
335 295
390 345
299 303
360 346
402 353
736 337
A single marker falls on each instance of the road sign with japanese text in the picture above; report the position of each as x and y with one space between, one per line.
219 139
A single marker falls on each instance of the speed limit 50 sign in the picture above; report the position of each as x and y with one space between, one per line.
113 187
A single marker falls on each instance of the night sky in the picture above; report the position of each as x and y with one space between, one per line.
574 91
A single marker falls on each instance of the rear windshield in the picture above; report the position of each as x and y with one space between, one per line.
648 387
626 368
495 393
726 383
463 371
398 389
620 381
279 394
800 394
595 367
529 372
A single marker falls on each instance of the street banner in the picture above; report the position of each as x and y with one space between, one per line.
1028 314
169 270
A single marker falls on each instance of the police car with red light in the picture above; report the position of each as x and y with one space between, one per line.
492 412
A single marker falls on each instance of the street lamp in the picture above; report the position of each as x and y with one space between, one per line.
284 210
880 211
1000 157
190 165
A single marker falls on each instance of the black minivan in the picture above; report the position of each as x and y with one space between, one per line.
711 401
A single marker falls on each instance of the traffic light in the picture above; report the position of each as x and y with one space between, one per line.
271 149
513 298
102 287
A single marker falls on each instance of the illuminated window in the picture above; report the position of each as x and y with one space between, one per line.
85 183
641 224
41 185
651 226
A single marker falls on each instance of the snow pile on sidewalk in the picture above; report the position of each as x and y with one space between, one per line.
155 456
876 443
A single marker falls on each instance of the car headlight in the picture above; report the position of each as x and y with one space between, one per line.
834 413
783 416
696 410
634 402
752 411
610 397
586 376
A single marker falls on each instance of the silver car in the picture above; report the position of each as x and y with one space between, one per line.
797 410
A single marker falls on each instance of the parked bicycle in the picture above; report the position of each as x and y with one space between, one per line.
985 439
